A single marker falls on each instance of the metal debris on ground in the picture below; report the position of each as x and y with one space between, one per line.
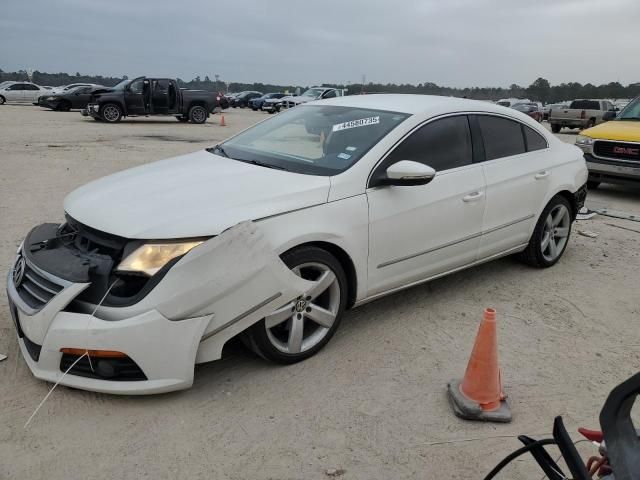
616 214
585 216
2 357
623 228
588 233
335 472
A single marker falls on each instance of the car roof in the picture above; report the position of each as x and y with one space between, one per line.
414 104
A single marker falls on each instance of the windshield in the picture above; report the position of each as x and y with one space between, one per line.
122 84
523 107
313 92
631 111
314 140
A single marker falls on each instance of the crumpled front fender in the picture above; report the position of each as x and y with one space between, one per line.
236 277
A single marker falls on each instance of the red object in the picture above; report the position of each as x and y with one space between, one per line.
593 435
481 381
583 115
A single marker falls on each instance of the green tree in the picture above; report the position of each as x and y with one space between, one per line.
540 90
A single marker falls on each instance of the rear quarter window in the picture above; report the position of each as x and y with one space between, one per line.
534 140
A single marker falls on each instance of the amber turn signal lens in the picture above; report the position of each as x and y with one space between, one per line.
93 353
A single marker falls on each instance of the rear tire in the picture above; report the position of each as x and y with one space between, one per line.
64 107
197 114
555 128
111 113
279 342
551 235
591 123
2 100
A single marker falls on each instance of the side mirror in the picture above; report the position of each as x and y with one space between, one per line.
610 115
408 172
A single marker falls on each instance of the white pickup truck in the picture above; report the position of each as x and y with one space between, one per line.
580 114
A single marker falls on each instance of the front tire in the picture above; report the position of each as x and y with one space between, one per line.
2 100
555 128
111 113
301 328
197 114
551 235
64 107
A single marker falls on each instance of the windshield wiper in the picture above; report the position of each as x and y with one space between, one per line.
218 148
262 164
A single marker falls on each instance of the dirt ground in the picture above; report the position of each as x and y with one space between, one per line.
373 402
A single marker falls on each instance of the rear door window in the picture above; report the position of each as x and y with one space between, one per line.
502 137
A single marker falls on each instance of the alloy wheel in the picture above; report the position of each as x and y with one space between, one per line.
301 324
111 113
555 232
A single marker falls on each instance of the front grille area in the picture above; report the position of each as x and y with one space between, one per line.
116 369
617 150
36 290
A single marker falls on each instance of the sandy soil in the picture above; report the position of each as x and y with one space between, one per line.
372 402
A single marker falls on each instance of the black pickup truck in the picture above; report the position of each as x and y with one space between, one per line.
145 96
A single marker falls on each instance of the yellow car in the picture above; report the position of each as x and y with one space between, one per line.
612 149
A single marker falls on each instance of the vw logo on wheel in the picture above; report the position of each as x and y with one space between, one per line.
18 271
300 306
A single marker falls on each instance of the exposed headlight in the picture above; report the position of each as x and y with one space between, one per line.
585 143
151 257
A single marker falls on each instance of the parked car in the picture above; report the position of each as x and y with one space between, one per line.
74 98
256 103
313 93
580 114
63 89
242 99
531 109
272 105
612 149
510 102
550 106
20 92
271 237
150 96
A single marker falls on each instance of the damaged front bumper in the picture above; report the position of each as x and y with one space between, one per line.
208 296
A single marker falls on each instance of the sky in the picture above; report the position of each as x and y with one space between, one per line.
454 43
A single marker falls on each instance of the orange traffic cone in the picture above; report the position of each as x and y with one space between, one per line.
222 124
479 396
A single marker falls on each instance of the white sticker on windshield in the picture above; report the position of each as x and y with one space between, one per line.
344 156
351 149
362 122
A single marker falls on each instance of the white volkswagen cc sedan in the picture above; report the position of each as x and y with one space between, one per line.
273 233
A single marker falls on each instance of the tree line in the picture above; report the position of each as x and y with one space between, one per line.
539 90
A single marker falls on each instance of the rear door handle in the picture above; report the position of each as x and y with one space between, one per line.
472 197
541 175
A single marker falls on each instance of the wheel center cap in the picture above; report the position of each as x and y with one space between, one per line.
301 305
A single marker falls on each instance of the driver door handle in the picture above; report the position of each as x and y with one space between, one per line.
543 174
472 197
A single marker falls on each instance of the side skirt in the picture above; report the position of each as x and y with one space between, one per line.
517 249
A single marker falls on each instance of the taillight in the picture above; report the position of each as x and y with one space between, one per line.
583 115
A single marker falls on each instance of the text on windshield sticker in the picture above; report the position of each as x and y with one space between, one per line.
362 122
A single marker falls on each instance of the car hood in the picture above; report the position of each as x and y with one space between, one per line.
623 130
194 195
